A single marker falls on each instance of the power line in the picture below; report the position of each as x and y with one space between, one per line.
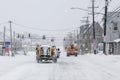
28 27
3 23
117 1
99 3
114 13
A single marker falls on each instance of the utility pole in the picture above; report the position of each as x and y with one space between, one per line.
74 36
77 37
31 42
105 21
14 42
4 39
10 22
86 21
93 16
3 48
94 40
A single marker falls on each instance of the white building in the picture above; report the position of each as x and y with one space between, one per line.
112 31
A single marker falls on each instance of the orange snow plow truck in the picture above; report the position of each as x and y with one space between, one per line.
72 50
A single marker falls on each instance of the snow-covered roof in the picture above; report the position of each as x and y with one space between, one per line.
117 40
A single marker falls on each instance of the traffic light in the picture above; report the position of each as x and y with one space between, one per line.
44 37
52 39
64 39
18 36
29 35
22 36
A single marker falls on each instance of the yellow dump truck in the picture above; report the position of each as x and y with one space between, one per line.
46 53
72 50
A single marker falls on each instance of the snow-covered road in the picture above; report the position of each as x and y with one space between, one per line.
83 67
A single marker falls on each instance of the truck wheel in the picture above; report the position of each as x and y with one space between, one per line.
54 60
57 56
37 60
76 55
67 55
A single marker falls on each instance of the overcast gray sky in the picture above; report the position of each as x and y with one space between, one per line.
50 17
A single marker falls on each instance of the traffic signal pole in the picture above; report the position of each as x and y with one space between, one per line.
11 38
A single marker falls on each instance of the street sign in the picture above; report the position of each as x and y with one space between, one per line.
1 43
7 43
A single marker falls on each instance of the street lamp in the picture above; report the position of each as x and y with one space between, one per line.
81 9
86 10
